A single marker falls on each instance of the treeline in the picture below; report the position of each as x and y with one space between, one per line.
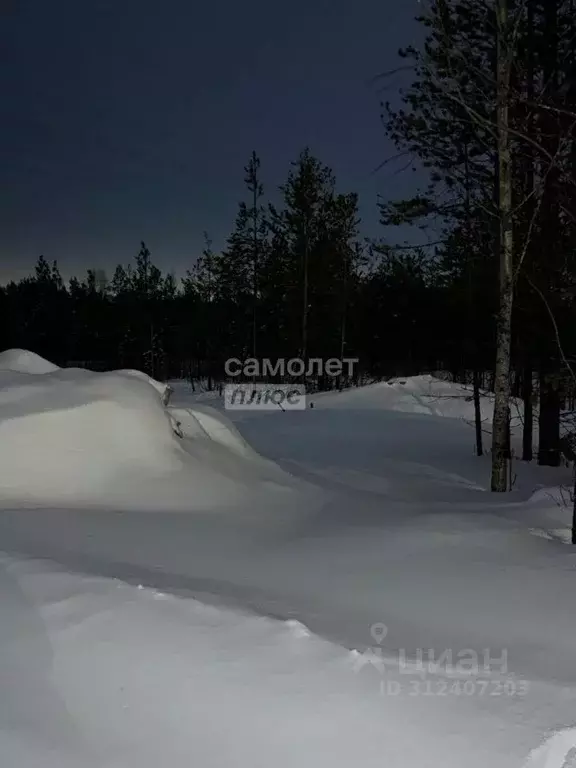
293 281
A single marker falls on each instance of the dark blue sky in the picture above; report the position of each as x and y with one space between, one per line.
124 120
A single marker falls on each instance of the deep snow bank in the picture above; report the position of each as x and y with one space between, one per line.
204 421
22 361
68 432
99 674
550 512
74 437
413 394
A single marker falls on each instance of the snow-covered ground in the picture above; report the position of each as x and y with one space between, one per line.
435 451
98 673
76 438
326 587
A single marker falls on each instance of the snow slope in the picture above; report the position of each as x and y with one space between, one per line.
98 674
416 394
450 463
75 437
23 361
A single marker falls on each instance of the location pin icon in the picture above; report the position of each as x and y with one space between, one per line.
379 632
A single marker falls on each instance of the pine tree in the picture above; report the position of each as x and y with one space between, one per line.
314 254
258 232
238 267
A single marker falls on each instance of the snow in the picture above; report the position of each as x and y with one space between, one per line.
110 675
162 389
555 752
417 394
302 589
202 420
72 437
22 361
552 509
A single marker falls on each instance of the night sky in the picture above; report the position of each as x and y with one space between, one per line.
129 120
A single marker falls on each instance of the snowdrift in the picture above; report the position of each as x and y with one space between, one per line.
74 437
173 682
414 394
204 421
423 395
22 361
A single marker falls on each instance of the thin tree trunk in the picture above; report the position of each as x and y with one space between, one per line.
528 430
343 317
152 357
572 101
501 420
471 315
574 509
255 256
255 274
477 412
549 421
549 417
530 191
305 260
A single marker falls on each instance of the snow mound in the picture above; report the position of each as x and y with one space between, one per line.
556 495
162 389
555 752
206 421
63 434
549 511
178 683
22 361
416 394
74 437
